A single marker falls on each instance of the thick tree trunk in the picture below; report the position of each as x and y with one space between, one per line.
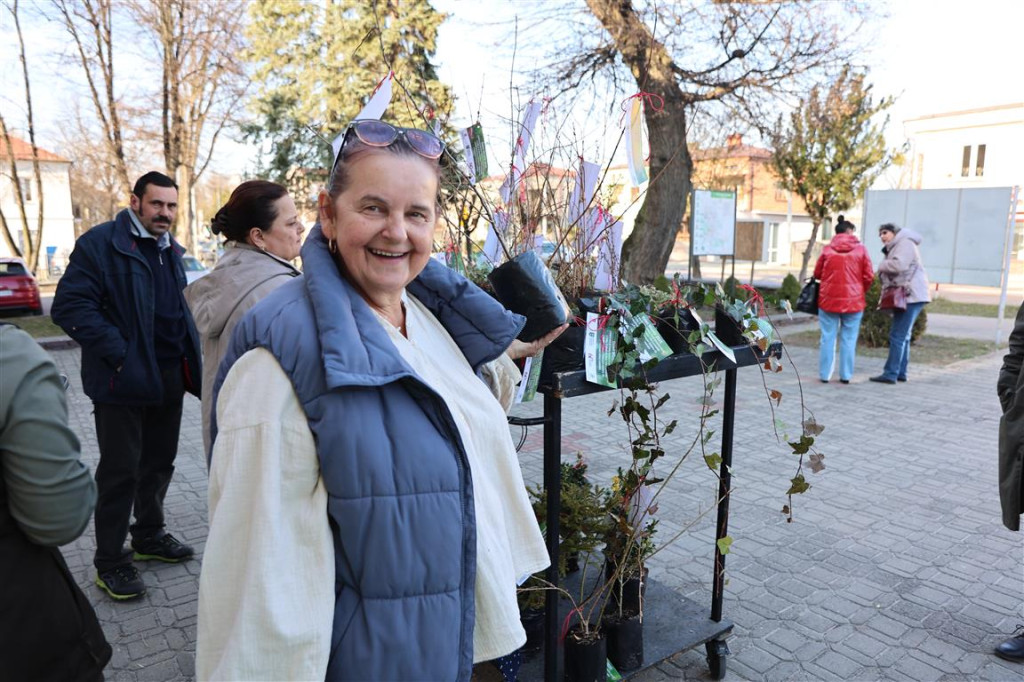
809 250
647 250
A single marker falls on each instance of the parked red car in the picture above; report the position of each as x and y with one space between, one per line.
18 288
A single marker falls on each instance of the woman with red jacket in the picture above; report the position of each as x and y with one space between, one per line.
845 272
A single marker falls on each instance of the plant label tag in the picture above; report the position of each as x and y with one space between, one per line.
650 344
531 376
720 345
599 349
474 151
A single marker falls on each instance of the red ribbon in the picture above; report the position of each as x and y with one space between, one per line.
391 74
677 298
602 324
756 297
655 101
565 623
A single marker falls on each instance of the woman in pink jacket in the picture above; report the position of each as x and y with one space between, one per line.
845 272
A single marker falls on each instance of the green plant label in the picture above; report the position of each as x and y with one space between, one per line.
531 376
650 344
599 347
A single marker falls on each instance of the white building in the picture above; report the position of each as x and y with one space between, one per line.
973 148
58 217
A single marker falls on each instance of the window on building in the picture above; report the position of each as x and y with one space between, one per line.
26 188
979 163
827 231
773 242
780 192
965 169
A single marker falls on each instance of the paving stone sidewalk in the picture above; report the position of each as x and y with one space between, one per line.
895 567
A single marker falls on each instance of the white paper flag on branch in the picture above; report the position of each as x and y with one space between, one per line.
380 98
492 247
581 197
634 134
608 256
522 146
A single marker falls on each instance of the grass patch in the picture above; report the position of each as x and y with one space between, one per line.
944 306
929 350
39 327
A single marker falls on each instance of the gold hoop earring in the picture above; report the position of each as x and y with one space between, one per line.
332 247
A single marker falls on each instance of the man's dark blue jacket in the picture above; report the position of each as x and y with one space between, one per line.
105 301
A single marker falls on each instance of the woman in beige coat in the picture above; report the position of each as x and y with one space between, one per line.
902 266
263 233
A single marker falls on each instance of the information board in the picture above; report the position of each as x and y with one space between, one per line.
713 223
963 230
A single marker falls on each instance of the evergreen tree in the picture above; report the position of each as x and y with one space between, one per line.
829 151
317 64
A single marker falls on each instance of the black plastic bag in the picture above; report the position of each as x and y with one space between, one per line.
524 285
807 301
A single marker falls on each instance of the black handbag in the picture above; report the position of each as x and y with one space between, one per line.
807 301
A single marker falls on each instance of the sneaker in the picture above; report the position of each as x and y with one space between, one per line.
121 582
882 379
164 547
901 379
844 381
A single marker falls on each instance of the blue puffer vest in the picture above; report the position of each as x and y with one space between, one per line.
400 494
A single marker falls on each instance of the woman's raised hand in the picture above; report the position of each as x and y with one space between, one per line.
521 349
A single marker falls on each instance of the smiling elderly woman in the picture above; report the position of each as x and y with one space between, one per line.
368 519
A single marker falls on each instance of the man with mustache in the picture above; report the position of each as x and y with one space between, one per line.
121 300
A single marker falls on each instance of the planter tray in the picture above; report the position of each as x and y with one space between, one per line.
564 385
672 624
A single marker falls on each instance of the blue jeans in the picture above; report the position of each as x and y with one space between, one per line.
899 341
848 327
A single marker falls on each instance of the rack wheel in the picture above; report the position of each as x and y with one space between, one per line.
717 651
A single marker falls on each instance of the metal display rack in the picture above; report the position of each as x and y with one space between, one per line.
691 627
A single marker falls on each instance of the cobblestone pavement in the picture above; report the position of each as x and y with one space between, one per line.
895 567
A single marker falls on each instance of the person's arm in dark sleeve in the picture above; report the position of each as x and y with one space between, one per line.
51 494
78 308
1010 371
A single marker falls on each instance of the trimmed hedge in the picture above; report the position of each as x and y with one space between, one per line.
790 289
875 325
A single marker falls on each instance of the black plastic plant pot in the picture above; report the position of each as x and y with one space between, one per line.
524 285
564 354
533 623
585 659
625 640
728 330
676 335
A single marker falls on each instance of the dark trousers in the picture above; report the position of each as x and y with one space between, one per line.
137 450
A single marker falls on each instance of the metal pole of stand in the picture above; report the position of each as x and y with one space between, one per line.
724 488
553 487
